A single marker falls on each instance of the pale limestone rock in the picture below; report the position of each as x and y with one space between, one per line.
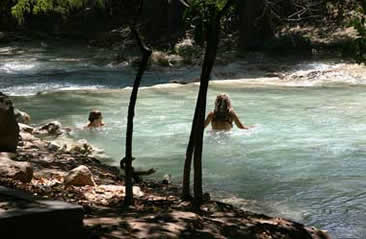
25 128
22 171
167 179
81 146
79 176
107 192
53 146
22 117
50 129
164 59
121 189
184 47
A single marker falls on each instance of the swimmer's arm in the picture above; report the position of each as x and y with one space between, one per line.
238 123
208 118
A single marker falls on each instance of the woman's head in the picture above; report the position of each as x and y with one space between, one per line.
94 115
222 103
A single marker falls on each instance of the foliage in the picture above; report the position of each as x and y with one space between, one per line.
199 13
204 5
358 48
62 7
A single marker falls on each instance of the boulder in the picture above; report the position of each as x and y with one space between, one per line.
25 128
53 128
22 171
9 129
22 117
188 50
53 146
82 147
164 59
79 176
167 179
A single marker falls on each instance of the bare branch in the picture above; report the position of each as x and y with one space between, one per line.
184 3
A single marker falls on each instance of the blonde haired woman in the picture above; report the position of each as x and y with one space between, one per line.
223 116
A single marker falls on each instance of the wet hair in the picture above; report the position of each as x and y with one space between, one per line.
222 104
95 114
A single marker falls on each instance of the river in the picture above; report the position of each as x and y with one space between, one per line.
305 159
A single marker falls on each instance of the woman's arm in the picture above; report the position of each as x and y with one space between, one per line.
238 123
208 119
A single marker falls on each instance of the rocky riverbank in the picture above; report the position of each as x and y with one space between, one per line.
61 169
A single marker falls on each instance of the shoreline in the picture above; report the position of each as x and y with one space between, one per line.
316 74
158 211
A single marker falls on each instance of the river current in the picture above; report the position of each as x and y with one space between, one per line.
305 159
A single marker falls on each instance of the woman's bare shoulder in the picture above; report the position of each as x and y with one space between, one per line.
210 114
232 112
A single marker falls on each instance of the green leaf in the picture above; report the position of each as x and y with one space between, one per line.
62 7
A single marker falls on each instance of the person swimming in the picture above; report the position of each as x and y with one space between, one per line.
95 119
223 116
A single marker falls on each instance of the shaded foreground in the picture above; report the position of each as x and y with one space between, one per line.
158 211
38 218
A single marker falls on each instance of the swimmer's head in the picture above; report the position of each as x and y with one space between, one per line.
222 103
94 115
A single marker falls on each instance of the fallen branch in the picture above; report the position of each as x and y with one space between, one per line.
137 173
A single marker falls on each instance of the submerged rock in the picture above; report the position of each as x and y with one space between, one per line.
9 129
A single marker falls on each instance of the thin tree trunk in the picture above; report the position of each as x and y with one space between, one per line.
188 162
196 137
146 53
127 160
209 62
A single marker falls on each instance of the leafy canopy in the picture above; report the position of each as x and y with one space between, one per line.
201 12
359 23
62 7
219 4
206 8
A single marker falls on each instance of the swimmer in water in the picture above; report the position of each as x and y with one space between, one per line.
223 116
95 119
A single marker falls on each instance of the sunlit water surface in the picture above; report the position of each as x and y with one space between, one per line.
304 160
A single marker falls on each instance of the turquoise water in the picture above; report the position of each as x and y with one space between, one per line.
304 160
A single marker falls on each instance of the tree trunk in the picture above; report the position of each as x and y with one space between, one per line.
213 30
196 138
255 24
146 53
188 162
